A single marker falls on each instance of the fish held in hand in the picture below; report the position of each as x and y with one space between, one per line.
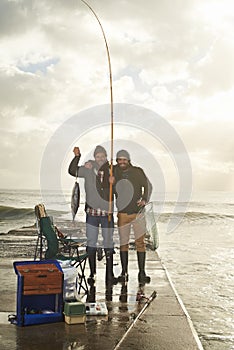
75 199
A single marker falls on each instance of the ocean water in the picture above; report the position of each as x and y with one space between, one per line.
199 253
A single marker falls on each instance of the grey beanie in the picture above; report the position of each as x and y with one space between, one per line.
99 149
123 154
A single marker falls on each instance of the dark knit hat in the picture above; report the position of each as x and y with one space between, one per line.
99 149
123 154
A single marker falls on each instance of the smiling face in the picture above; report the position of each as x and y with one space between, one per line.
100 158
123 163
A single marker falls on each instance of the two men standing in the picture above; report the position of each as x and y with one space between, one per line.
132 190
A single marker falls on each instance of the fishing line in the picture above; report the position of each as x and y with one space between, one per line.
112 108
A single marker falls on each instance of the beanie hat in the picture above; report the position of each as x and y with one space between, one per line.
99 149
123 154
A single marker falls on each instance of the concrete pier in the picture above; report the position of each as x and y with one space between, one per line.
165 323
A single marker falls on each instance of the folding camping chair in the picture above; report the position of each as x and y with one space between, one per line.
52 244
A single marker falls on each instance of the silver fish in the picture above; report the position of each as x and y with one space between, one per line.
75 199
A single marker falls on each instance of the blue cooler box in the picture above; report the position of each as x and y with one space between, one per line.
39 292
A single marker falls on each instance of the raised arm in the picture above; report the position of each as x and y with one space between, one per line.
74 169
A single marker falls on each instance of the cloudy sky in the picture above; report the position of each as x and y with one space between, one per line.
174 58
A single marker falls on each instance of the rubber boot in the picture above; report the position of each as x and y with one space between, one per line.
123 298
109 292
124 262
92 264
100 254
142 277
91 297
110 278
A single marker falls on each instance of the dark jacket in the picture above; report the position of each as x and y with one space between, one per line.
96 183
131 186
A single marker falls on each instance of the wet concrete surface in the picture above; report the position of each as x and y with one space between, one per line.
163 325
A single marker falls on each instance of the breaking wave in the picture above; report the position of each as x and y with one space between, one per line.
194 216
12 213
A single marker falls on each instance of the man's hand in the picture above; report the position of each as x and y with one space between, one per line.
88 165
76 151
141 203
111 180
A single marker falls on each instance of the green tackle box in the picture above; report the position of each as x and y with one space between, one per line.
74 308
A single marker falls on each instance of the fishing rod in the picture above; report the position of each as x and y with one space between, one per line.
149 300
112 108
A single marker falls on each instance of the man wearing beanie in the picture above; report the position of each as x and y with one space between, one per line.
133 191
96 176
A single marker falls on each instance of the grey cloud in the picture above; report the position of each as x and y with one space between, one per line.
157 38
215 72
214 138
22 91
20 159
15 17
211 180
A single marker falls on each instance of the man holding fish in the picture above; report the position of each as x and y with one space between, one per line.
96 175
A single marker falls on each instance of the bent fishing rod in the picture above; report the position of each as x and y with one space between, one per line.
112 107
